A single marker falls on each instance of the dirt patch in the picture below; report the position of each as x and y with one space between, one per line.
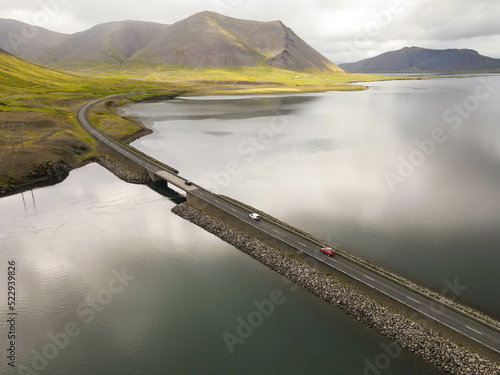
71 104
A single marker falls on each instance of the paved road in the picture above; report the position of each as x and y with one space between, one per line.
136 157
470 327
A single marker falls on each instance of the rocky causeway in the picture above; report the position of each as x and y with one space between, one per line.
424 342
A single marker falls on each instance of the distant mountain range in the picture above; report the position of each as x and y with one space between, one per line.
204 39
415 59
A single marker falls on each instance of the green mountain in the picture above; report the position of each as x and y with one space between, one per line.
210 39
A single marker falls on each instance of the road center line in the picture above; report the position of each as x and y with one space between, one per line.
303 244
368 277
414 300
276 231
472 329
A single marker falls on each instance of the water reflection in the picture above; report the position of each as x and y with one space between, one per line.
29 204
188 288
241 108
325 171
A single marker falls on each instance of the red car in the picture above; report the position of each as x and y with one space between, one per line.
328 251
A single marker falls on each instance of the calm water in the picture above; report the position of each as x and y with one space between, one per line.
328 163
316 161
182 289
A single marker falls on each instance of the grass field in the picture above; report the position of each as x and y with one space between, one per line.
214 80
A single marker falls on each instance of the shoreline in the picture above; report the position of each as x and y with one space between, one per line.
124 170
45 177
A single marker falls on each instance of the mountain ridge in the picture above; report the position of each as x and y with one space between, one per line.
201 40
417 59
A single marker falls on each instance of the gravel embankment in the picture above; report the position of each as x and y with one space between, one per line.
121 171
424 342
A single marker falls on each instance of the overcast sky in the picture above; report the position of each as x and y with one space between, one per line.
343 30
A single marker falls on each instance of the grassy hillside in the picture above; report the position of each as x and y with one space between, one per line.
45 101
21 77
18 76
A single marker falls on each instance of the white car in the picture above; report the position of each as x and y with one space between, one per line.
254 216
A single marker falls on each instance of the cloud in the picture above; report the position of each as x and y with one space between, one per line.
328 25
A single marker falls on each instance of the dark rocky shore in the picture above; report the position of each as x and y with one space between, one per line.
424 342
54 172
